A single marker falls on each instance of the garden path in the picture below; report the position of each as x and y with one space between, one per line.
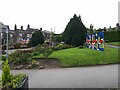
105 76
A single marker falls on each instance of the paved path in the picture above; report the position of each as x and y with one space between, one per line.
13 50
83 77
113 46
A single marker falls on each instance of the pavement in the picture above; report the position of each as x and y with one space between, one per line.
13 50
83 77
113 46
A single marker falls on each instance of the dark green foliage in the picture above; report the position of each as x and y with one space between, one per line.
19 57
37 38
9 80
43 49
75 32
58 38
47 51
112 36
35 53
81 47
3 58
62 46
17 45
6 75
17 80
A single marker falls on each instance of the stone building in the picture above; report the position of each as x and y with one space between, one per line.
19 35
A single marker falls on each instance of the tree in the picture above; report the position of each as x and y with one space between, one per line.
37 38
58 38
75 32
91 31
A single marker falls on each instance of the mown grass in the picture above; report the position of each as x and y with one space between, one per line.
114 43
82 57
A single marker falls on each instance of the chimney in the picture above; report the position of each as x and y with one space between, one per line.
15 27
28 26
21 27
40 29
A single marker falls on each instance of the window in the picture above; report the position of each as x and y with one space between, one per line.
28 35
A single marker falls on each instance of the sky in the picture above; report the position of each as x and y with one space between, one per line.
56 14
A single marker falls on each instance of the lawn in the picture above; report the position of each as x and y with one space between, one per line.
114 43
82 57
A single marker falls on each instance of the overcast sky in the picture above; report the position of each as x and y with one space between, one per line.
57 13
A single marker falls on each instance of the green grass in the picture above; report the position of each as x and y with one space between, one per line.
114 43
81 57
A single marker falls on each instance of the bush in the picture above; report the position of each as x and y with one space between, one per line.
37 38
6 76
39 48
35 53
17 45
17 80
62 46
58 38
43 49
33 63
19 57
112 36
9 80
46 52
81 47
3 58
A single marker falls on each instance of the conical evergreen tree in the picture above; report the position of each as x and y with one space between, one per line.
75 32
37 38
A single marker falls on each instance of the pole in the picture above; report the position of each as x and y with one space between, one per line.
7 44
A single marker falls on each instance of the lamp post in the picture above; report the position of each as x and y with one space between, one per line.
7 43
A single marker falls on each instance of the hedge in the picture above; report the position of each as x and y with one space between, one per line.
112 36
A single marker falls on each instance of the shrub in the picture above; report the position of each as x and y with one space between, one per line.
17 80
112 36
33 63
43 49
35 53
62 46
20 57
58 38
6 75
3 58
46 52
37 38
9 80
39 48
17 45
81 47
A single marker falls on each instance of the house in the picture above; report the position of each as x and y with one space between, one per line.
19 35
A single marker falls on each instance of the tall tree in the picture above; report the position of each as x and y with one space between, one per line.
75 32
37 38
